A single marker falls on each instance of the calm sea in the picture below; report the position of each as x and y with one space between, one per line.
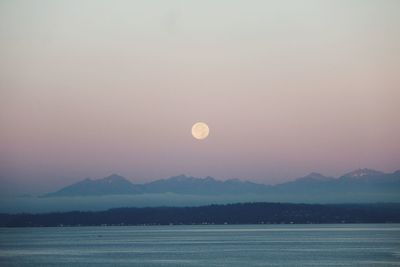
208 245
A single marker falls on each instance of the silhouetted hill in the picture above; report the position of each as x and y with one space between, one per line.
113 184
247 213
197 186
363 173
312 183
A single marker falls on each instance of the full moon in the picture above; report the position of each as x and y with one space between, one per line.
200 130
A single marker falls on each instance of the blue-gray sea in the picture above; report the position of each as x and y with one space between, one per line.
205 245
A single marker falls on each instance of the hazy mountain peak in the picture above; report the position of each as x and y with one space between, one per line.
362 173
114 178
314 176
233 180
181 177
209 178
113 184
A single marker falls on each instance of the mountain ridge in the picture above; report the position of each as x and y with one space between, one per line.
362 182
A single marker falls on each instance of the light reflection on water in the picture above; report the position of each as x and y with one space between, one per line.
206 245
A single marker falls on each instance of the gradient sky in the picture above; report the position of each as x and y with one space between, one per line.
89 88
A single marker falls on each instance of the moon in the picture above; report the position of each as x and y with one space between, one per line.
200 130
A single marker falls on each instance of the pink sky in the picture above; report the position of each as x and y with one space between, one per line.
287 87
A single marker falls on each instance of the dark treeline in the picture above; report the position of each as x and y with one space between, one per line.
246 213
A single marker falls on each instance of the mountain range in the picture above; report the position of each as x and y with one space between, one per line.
360 184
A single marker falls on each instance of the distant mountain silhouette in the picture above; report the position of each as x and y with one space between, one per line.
359 184
117 185
202 186
363 173
312 183
110 185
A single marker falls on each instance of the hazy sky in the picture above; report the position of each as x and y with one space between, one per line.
88 88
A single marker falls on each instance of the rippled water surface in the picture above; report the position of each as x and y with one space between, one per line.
208 245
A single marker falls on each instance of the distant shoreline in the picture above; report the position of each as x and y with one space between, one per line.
229 214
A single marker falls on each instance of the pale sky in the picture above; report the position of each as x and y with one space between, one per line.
89 88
